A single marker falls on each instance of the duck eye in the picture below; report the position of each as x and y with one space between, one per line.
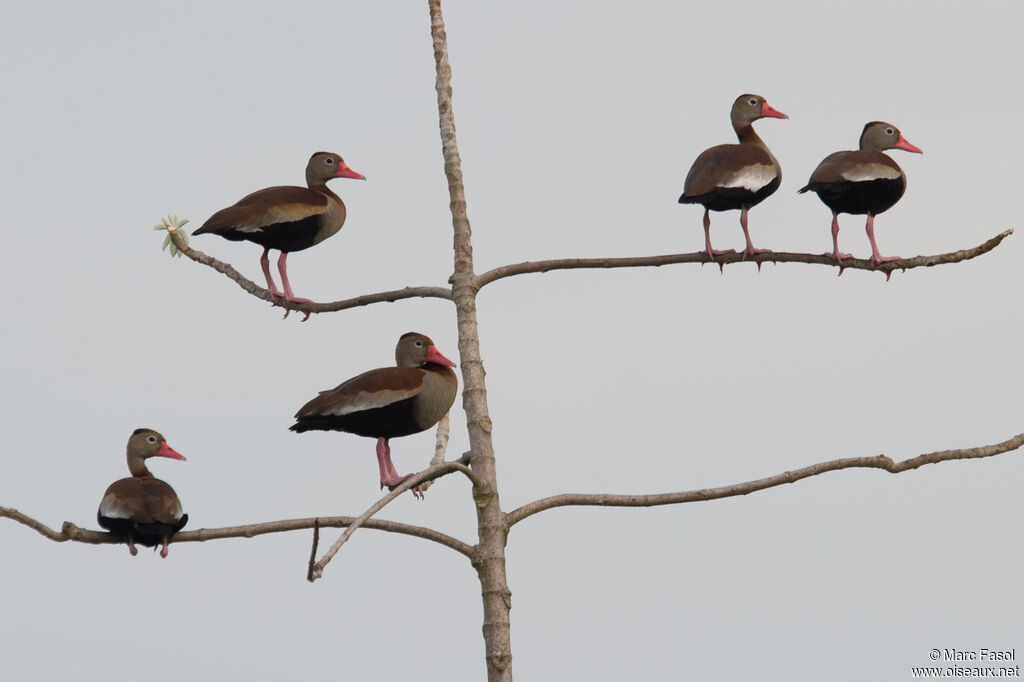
419 344
752 101
150 439
890 131
329 160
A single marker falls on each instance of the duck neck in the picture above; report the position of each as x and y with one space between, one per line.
137 466
747 135
322 188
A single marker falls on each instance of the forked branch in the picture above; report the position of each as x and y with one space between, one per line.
877 462
316 570
527 267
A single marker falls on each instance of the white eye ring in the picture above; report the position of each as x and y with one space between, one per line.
329 161
890 131
752 102
419 344
150 439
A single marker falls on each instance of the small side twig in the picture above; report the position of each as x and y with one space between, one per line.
312 552
440 447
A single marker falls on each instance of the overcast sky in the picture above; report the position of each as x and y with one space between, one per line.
577 122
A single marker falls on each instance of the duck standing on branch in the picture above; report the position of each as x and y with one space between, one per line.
287 218
862 181
388 402
731 176
143 508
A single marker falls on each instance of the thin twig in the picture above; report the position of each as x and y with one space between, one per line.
430 474
70 531
877 462
259 292
312 552
440 447
729 258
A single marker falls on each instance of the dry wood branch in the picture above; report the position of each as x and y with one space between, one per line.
877 462
317 570
727 259
70 531
440 447
37 526
259 292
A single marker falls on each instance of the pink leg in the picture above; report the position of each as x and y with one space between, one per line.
163 552
265 264
876 257
289 297
282 267
707 238
131 547
835 241
750 250
388 474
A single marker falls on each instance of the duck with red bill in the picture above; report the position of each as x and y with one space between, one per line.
862 181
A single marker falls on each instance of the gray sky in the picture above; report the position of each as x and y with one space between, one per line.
577 122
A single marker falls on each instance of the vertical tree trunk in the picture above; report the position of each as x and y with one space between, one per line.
493 532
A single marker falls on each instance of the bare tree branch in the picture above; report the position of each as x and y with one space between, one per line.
729 258
501 272
317 570
878 462
259 292
37 526
70 531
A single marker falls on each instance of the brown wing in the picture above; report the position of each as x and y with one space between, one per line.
730 165
856 166
265 208
141 500
369 390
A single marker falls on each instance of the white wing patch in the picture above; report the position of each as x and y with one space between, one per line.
112 508
870 171
752 177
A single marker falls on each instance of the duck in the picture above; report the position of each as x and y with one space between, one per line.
862 181
287 219
735 176
389 402
143 508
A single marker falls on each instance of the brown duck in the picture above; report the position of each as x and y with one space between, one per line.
862 181
389 402
142 508
731 176
287 218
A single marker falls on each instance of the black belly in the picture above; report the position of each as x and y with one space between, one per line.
145 534
391 421
294 236
868 196
731 198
